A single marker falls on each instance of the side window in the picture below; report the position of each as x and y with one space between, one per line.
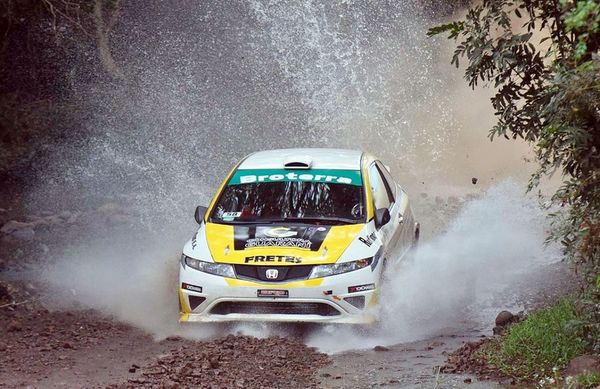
388 179
381 195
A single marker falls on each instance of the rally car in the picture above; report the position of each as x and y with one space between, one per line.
296 235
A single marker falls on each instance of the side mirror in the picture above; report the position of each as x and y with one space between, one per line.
199 214
382 217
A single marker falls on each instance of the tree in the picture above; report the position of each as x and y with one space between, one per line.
541 56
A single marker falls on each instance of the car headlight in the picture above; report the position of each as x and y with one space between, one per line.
339 268
218 269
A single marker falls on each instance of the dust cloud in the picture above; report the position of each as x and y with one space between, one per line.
210 82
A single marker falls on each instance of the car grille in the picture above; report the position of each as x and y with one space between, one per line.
286 308
284 273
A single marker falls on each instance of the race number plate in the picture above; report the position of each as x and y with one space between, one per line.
272 293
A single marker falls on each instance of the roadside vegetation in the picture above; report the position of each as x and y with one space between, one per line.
542 344
541 57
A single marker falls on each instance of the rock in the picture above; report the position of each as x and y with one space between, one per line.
5 294
380 348
504 318
132 369
40 223
54 220
498 330
25 234
67 345
474 180
436 343
467 380
66 215
73 218
185 370
15 326
583 364
13 226
2 265
44 248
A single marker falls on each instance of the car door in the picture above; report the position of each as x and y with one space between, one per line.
383 197
403 219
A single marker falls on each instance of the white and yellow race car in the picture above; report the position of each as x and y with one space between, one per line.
296 235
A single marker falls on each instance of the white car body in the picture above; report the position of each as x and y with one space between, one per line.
261 270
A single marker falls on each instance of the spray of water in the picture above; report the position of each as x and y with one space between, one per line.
209 83
449 281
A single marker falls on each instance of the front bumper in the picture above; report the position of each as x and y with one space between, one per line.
321 300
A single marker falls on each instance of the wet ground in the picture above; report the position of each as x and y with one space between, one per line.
45 346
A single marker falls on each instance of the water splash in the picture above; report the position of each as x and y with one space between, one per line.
491 244
209 83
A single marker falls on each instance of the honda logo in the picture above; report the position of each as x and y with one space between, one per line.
272 274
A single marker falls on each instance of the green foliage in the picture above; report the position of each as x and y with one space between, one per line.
541 57
591 380
544 340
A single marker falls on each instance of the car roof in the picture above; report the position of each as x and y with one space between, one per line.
317 158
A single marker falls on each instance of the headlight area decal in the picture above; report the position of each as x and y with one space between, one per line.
193 288
361 288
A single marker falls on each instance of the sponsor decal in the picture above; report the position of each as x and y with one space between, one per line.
278 242
308 237
193 288
360 288
369 239
272 258
280 232
348 177
272 293
228 216
194 241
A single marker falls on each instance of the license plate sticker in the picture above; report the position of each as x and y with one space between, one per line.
272 293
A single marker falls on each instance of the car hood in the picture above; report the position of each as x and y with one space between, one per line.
283 244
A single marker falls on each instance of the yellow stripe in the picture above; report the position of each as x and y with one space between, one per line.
219 236
294 284
183 307
373 301
367 159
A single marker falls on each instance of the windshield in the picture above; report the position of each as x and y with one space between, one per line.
331 196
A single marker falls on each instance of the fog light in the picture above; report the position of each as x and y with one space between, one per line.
356 301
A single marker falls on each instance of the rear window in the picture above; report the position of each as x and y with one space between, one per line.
330 196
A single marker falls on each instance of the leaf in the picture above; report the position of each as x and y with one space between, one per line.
454 28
